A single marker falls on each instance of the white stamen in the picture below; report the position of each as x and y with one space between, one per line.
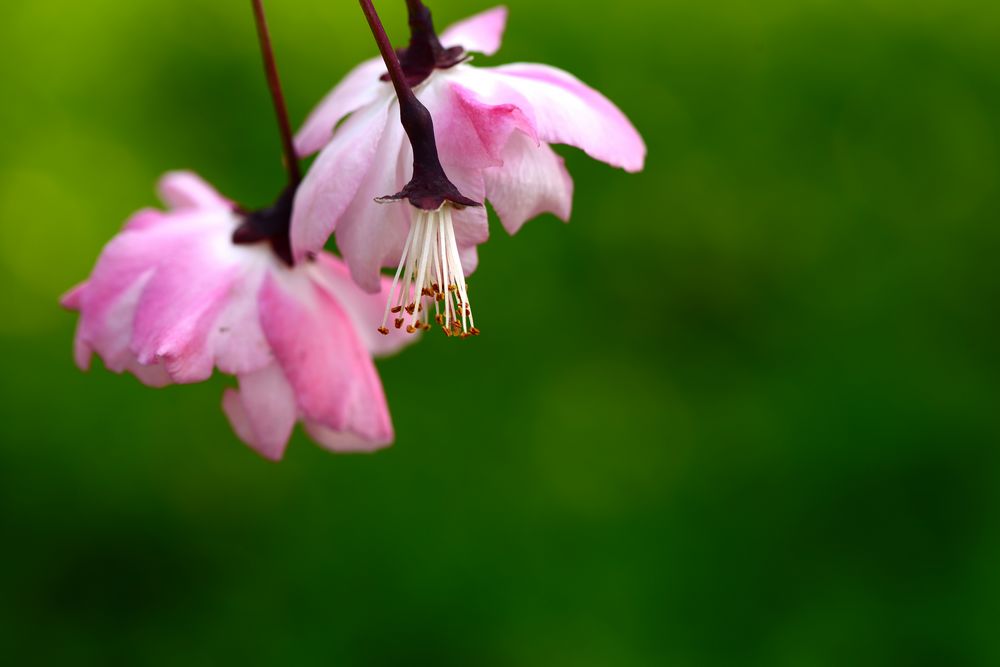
411 263
443 285
431 267
459 278
395 280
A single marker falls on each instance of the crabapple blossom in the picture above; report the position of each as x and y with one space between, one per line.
492 127
180 293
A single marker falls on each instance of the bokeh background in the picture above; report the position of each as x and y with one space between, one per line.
742 411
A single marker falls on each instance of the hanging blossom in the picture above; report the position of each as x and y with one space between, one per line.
181 292
492 126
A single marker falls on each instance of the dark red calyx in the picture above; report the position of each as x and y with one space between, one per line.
272 224
430 187
430 194
425 53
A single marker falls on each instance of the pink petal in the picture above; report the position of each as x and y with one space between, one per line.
470 259
334 179
125 259
360 87
171 296
183 299
187 190
73 299
330 371
533 180
108 331
82 352
365 310
372 235
108 301
344 443
152 376
262 411
236 338
481 33
146 219
471 133
471 223
563 109
110 334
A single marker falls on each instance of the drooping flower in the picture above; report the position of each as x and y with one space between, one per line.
430 257
182 292
493 127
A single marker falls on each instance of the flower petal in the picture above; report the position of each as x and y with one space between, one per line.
469 132
331 373
184 297
365 310
481 33
344 442
106 326
73 299
82 352
110 334
371 235
360 87
108 300
175 318
147 219
333 181
236 339
563 109
470 259
155 376
187 190
471 223
262 411
124 260
533 180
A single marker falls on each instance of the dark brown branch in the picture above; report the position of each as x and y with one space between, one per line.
274 83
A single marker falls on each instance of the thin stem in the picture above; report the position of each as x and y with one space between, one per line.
403 91
274 83
429 188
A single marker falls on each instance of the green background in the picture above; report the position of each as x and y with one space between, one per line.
742 411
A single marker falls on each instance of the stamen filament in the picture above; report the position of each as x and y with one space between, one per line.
430 267
395 281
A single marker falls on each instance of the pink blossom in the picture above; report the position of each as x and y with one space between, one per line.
172 298
493 128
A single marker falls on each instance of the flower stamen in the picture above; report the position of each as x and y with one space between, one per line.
430 260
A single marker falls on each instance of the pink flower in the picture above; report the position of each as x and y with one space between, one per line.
172 297
493 128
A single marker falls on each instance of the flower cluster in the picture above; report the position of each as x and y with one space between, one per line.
410 146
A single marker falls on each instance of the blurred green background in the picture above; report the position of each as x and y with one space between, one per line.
742 411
